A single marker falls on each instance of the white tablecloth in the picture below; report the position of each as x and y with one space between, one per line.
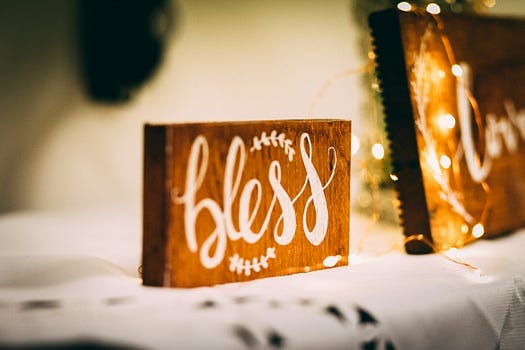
70 279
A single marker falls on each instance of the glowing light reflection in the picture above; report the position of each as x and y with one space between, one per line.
404 6
478 230
445 162
433 8
378 151
446 121
457 70
331 261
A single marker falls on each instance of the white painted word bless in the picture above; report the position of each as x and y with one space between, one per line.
222 215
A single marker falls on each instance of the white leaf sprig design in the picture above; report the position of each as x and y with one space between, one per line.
421 86
273 140
240 265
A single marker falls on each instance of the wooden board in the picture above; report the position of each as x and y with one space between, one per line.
229 202
482 184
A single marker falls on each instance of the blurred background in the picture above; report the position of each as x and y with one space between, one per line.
79 78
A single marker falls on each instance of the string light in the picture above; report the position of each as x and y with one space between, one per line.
445 162
489 3
455 6
438 162
451 254
438 165
478 230
378 151
446 122
457 71
404 6
331 261
433 8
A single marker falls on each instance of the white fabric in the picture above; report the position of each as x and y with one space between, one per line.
71 277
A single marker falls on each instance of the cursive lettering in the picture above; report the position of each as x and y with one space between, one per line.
499 132
224 228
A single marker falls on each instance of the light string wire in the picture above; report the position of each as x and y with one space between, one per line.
369 68
333 79
477 228
343 260
451 59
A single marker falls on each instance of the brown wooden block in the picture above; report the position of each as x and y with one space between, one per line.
229 202
457 132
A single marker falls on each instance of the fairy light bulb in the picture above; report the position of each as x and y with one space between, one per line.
446 122
478 230
404 6
457 70
489 3
445 162
433 8
331 261
464 228
378 151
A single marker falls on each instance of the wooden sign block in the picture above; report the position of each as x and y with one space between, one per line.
454 100
229 202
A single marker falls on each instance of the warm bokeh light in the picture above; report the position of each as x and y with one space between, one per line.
378 151
331 261
457 70
445 162
433 9
446 121
478 230
404 6
489 3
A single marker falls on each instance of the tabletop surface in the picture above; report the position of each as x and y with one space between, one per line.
70 279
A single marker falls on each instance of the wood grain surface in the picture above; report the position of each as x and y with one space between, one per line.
230 202
484 185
